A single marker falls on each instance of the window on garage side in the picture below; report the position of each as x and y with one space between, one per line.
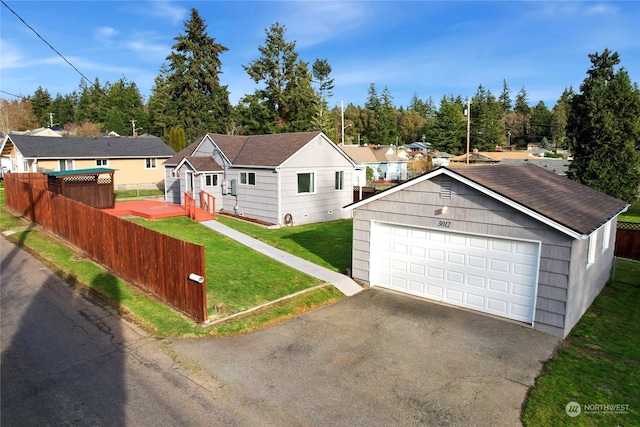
248 178
102 162
306 182
150 163
339 181
210 180
591 255
606 237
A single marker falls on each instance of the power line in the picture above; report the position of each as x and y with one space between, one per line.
46 42
12 94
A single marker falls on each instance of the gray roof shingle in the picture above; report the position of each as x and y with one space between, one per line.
560 199
75 148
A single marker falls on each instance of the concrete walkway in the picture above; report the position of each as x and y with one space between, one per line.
340 281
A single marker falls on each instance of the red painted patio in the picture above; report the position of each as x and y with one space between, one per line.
153 209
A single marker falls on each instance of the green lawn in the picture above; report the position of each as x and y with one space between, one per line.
598 363
633 214
238 278
128 194
327 243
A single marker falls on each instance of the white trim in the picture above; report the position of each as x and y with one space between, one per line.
154 163
606 236
314 183
591 250
247 178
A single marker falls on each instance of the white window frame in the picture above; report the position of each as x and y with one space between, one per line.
339 181
102 162
212 177
150 163
591 253
312 183
68 165
606 236
245 178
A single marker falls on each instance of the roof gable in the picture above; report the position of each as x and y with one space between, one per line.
261 150
565 205
74 148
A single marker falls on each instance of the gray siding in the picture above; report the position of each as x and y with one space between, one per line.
172 186
254 201
586 283
470 211
325 204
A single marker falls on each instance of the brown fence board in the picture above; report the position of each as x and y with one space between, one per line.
156 263
627 243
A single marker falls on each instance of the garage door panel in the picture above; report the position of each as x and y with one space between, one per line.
475 301
488 274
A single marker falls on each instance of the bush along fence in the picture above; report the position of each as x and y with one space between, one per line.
628 240
154 262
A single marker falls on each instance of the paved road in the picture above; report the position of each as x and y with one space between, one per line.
66 361
374 359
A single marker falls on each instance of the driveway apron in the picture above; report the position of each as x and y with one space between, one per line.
380 358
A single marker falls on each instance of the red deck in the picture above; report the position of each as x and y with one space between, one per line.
152 209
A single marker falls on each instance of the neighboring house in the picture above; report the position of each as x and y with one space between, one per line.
515 241
388 162
137 161
290 178
559 166
422 147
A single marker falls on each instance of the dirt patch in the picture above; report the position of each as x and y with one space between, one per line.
247 219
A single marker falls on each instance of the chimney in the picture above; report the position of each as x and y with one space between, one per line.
475 151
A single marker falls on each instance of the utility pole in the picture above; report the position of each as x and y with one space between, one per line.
50 120
133 128
342 119
468 113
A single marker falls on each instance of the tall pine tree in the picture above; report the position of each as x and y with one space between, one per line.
198 102
603 129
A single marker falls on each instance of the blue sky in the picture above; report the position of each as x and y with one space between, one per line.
420 47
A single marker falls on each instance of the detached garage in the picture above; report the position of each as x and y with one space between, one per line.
515 241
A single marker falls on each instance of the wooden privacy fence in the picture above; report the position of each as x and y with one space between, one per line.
154 262
628 240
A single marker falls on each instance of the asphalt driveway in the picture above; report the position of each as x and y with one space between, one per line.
378 358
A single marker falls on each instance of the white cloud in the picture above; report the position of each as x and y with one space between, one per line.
600 9
106 32
165 10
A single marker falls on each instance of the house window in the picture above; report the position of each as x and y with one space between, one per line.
306 182
65 165
150 163
339 184
210 180
591 256
248 178
102 162
606 237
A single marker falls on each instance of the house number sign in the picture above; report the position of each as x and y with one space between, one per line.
444 224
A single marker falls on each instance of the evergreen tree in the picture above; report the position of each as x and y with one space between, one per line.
197 101
63 108
159 105
505 98
559 115
287 93
41 104
541 122
321 71
177 140
603 129
487 127
448 131
92 103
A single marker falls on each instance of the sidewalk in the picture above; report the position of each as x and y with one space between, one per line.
340 281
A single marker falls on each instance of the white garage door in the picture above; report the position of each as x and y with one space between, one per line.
487 274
